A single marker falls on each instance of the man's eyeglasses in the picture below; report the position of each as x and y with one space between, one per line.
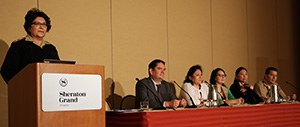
40 24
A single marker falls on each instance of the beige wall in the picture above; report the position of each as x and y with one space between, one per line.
125 35
11 27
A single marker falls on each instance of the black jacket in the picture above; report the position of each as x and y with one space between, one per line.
22 53
249 96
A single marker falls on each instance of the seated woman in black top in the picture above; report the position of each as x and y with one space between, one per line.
31 48
240 88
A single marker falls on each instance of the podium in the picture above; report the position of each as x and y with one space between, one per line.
25 98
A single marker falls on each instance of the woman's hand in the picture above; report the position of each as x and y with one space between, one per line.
241 100
243 90
249 86
235 101
201 103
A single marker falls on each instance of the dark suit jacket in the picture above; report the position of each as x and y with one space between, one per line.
145 91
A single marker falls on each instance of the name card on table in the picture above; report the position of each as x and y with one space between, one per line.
67 92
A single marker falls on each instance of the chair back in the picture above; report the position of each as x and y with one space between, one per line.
128 102
108 103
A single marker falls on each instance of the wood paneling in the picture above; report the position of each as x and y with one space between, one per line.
262 35
139 30
189 38
229 33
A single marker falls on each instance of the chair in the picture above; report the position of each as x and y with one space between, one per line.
128 102
108 103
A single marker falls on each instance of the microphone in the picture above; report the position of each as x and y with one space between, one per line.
206 82
292 85
161 104
193 104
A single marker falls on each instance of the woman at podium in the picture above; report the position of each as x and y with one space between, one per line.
30 49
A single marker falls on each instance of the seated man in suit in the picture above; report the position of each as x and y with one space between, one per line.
156 90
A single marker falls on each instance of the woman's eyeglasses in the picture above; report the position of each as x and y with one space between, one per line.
40 24
221 75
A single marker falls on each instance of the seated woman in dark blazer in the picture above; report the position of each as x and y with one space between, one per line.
240 88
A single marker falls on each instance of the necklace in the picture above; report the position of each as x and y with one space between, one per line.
223 98
197 86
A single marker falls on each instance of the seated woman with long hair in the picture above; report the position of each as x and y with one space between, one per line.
193 84
240 87
225 96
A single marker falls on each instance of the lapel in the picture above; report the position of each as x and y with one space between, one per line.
225 90
151 86
163 87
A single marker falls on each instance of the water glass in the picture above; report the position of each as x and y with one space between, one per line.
144 105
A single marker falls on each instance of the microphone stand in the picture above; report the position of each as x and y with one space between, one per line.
292 85
193 104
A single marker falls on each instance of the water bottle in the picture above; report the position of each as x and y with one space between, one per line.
213 95
275 96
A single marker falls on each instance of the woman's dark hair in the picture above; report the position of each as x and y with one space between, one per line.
191 71
214 74
153 64
237 72
31 15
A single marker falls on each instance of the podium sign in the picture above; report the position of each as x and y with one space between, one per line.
45 94
67 92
